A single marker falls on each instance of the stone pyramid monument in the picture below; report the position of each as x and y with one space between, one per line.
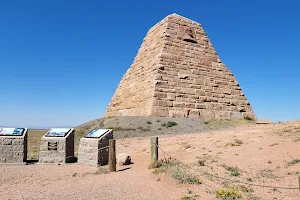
177 73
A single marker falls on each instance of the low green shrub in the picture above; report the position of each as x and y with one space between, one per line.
234 171
229 193
171 124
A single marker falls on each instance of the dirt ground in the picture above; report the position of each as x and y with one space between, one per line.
265 155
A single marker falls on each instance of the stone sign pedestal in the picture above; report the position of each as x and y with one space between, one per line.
57 146
13 147
93 148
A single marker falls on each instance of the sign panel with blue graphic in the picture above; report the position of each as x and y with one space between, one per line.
12 131
96 133
57 132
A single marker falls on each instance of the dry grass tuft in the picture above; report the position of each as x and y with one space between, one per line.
175 169
234 171
235 143
155 164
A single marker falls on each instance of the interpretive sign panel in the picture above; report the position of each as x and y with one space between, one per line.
57 132
96 133
12 131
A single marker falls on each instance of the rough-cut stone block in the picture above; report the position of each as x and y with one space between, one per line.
236 115
200 106
178 104
249 116
7 141
160 111
176 112
160 95
194 113
183 75
171 97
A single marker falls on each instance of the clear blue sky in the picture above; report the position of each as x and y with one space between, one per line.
61 61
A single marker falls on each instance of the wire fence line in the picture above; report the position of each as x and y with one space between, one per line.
227 179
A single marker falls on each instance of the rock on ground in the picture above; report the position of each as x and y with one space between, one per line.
123 159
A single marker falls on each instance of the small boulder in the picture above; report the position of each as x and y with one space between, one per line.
123 159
